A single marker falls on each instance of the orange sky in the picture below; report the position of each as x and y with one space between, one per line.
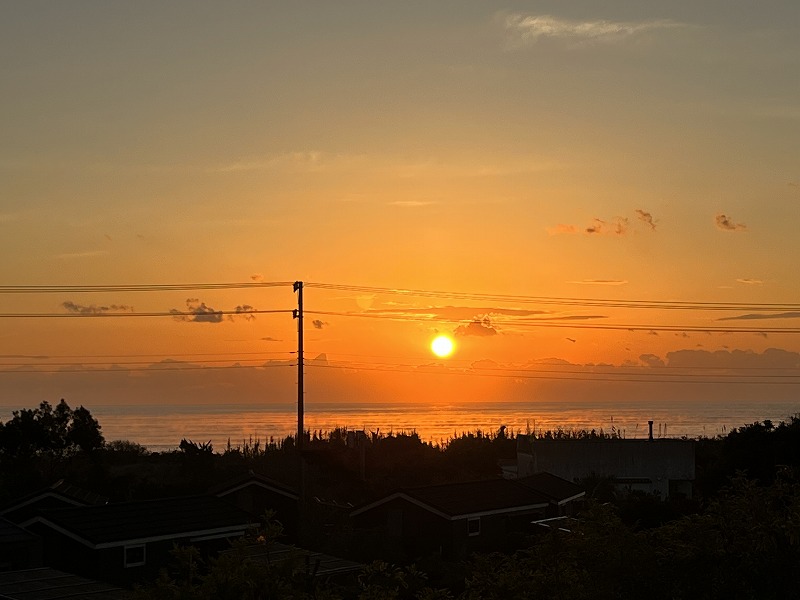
618 153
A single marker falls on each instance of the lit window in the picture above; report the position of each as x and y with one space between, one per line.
474 526
134 556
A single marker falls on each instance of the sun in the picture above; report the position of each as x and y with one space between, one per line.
442 346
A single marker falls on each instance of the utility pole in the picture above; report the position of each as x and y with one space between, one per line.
298 314
301 498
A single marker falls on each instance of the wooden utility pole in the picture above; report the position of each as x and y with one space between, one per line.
298 314
301 497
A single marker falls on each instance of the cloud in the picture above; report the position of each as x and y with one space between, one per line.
646 218
244 311
412 203
748 281
200 313
458 313
482 328
318 324
88 254
725 223
651 360
257 277
529 29
616 226
600 282
771 358
270 339
762 316
93 309
561 228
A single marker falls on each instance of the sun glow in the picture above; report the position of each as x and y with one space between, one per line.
442 346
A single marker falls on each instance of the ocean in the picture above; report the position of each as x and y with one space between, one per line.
161 427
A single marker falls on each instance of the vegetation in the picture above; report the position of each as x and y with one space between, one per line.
740 537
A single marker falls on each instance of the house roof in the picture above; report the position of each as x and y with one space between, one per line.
467 499
60 491
122 523
49 584
9 533
251 478
557 489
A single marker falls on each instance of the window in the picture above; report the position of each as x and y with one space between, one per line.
474 526
134 556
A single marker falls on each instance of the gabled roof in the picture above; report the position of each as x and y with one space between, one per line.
49 584
59 492
468 499
9 533
557 489
249 479
117 524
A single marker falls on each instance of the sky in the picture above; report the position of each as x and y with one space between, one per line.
592 199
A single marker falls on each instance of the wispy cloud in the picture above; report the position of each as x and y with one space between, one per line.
646 217
725 223
762 316
88 254
412 203
617 226
600 282
561 229
93 309
748 281
529 29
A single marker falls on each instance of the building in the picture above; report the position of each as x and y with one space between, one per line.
456 518
129 541
665 467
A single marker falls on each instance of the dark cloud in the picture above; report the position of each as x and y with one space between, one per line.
646 218
617 226
762 316
772 358
199 313
725 223
257 277
318 324
749 281
270 339
573 340
651 360
93 309
244 311
477 327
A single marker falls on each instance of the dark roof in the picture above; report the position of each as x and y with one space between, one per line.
63 493
49 584
554 487
252 478
9 532
318 564
453 500
113 524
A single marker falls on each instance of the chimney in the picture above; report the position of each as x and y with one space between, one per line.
650 425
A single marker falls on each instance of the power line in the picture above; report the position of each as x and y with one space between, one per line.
155 287
589 378
569 325
569 301
149 369
200 316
